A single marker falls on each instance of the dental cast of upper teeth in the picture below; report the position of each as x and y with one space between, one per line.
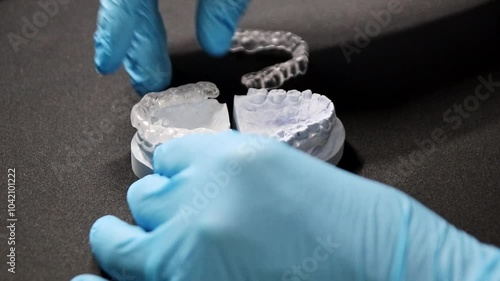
302 119
253 41
177 112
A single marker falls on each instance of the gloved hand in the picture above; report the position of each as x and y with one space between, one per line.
232 207
132 32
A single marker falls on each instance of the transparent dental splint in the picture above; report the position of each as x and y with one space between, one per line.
161 116
174 113
253 41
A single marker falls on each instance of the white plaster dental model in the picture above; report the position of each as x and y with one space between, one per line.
304 120
173 113
253 41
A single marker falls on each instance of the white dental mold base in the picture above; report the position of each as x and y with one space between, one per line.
174 113
304 120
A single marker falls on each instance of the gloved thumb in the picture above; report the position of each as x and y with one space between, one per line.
120 248
216 22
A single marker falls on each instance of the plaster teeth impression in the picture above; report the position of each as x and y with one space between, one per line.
304 120
253 41
173 113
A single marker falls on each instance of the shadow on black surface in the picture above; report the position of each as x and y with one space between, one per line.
350 159
391 70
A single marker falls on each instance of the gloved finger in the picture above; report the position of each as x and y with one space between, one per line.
216 21
174 156
88 277
120 248
148 202
116 21
147 61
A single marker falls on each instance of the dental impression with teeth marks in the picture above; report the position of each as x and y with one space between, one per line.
304 120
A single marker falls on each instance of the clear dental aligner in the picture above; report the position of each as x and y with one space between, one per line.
176 112
252 41
304 120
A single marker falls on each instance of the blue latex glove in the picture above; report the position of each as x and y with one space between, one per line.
232 207
132 32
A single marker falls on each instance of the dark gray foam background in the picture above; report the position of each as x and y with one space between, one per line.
393 93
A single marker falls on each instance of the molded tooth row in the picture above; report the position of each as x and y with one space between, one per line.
317 132
259 96
252 41
300 134
321 131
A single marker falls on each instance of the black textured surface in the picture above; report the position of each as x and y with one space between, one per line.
393 93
